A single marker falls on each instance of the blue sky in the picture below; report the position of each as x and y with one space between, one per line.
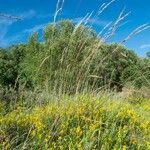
37 14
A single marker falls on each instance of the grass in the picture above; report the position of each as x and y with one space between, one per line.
90 122
78 122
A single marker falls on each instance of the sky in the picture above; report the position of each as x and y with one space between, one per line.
36 14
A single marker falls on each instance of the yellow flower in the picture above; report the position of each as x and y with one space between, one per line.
79 146
124 147
33 133
78 130
145 125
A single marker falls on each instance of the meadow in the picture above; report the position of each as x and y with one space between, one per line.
74 90
90 122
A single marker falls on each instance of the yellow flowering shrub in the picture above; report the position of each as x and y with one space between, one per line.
83 122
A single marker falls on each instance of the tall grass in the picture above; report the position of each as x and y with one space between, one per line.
77 63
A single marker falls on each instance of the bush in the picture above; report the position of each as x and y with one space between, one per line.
83 122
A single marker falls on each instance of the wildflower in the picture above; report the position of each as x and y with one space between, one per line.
145 125
124 147
78 130
79 146
119 135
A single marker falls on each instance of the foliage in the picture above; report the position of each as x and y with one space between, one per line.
71 59
10 60
82 122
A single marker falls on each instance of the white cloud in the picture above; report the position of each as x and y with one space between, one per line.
93 21
145 46
28 14
36 28
5 24
43 16
18 16
4 42
4 28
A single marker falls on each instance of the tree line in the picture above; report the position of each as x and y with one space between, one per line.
71 59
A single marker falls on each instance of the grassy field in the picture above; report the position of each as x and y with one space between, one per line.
42 80
78 122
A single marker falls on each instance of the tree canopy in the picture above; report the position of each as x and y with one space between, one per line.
71 59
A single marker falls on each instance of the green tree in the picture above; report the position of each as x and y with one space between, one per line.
71 59
10 60
110 66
